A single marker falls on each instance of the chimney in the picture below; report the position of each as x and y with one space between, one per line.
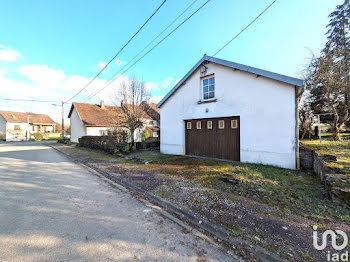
102 104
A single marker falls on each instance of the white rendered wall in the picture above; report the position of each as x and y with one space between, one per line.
266 108
77 129
16 135
95 130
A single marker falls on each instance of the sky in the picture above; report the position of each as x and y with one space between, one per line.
50 49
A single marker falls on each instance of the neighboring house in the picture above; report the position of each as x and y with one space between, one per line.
97 120
152 110
14 125
231 111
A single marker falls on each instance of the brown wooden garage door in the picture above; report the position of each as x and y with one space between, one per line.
213 137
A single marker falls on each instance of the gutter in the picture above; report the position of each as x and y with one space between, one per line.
297 96
45 124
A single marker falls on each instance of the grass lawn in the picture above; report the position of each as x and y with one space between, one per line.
330 134
54 138
290 191
285 189
340 149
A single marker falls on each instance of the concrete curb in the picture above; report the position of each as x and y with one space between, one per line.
204 226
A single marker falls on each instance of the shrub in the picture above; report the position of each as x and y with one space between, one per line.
146 133
147 144
109 144
38 136
64 141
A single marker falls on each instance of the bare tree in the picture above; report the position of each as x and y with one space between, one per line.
306 117
329 89
132 93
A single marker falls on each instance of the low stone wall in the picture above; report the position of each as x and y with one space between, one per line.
334 180
306 159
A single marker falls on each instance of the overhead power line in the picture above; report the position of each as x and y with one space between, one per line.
155 38
118 74
28 100
246 27
120 50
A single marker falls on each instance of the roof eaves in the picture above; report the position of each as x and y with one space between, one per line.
181 81
71 111
47 124
257 71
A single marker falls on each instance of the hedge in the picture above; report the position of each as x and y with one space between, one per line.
111 144
38 136
147 144
108 144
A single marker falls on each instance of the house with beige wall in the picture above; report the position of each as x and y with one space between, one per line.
15 125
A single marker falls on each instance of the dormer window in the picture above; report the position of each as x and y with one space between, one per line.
208 88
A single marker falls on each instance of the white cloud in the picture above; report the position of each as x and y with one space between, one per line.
51 84
118 62
42 74
101 64
161 85
7 54
156 99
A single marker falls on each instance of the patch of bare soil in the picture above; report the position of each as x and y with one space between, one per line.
288 235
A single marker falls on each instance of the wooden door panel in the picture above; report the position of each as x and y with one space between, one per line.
219 143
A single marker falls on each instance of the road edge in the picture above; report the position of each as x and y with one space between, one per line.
205 227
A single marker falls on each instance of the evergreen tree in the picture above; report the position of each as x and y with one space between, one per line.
328 78
338 34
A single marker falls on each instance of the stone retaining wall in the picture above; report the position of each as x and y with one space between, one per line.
334 180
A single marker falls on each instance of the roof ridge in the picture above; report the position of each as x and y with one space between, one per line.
23 112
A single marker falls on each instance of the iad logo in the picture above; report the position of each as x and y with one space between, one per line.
333 234
333 239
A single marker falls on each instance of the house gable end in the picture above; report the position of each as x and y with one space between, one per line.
259 72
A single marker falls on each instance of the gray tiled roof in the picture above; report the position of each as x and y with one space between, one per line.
253 70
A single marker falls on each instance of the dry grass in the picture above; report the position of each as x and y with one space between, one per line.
288 190
340 149
285 189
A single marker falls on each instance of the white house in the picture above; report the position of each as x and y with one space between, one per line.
96 120
15 125
232 111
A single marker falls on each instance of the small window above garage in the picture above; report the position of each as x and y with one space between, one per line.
208 88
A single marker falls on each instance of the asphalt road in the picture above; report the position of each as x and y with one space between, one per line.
54 210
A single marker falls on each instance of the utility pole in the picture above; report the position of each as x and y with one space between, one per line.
62 120
62 106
